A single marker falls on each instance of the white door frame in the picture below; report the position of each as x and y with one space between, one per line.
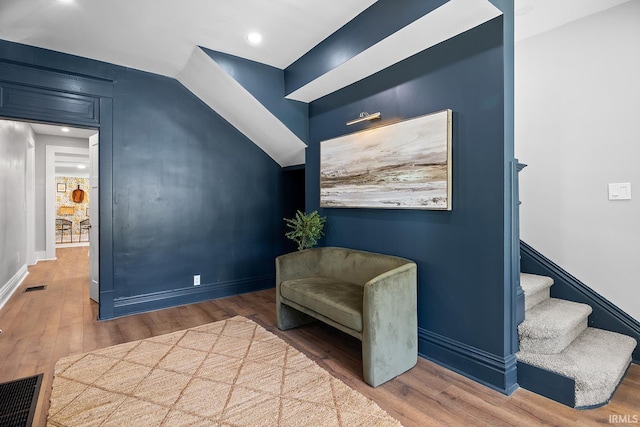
50 191
31 204
94 218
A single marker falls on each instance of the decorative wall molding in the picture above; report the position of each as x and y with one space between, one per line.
43 104
194 294
44 77
496 372
9 288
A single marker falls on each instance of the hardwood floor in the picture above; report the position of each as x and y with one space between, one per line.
42 326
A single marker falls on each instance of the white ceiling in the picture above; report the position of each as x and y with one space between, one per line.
159 35
68 165
55 130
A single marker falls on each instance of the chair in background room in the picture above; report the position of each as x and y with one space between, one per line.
64 226
84 226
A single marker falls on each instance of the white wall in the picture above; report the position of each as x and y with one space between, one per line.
14 137
578 129
42 141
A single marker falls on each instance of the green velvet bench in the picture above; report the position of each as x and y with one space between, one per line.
370 296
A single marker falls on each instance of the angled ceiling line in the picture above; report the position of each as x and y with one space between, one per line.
443 23
228 98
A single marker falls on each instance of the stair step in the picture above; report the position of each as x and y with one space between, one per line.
550 326
597 360
535 287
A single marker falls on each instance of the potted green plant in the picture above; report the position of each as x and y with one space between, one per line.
306 229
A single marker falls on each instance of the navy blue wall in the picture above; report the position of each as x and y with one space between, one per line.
191 195
460 254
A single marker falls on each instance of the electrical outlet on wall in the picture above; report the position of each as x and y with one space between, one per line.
196 280
18 257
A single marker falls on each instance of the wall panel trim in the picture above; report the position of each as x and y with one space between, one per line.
175 297
47 78
496 372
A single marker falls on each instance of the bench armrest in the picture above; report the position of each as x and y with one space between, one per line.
296 265
390 323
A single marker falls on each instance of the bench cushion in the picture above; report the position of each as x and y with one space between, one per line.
339 301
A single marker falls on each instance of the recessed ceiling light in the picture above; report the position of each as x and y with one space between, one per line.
64 129
254 38
66 1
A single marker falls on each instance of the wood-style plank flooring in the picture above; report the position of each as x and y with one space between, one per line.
40 327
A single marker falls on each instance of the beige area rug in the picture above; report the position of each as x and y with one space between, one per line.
227 373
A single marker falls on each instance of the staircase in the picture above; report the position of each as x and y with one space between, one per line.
554 337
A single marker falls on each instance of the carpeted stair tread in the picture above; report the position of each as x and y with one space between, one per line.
596 360
553 318
535 288
532 283
552 325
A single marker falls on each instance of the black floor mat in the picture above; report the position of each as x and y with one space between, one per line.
18 401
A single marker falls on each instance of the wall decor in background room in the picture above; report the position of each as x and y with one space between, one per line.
66 205
404 165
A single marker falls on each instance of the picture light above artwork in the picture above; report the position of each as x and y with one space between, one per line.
404 165
364 116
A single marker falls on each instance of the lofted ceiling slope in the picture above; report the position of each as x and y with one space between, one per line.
159 35
162 37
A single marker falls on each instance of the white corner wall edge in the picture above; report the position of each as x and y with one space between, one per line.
548 15
9 288
208 81
445 22
41 256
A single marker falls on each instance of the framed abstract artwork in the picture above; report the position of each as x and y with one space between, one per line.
404 165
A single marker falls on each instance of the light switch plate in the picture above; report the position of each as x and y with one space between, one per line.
620 191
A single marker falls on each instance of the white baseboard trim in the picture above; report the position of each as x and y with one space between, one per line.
8 288
71 245
42 256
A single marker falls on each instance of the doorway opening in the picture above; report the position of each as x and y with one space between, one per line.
71 194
